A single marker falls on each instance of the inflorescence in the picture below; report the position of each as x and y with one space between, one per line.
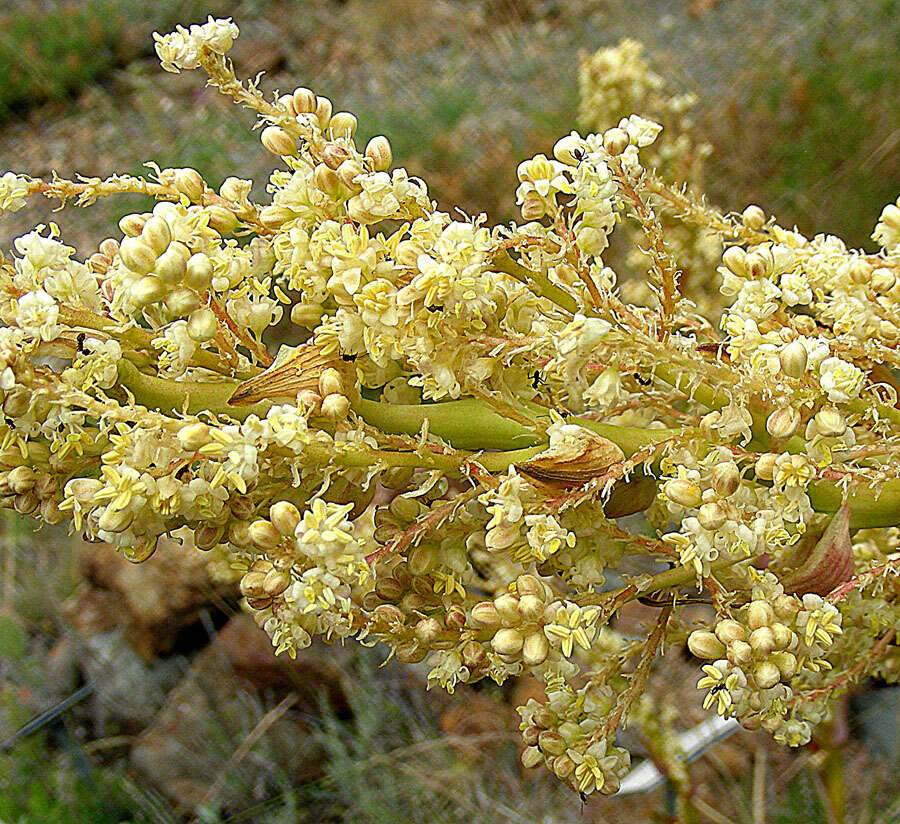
437 458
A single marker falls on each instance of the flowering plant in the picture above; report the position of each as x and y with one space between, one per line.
439 459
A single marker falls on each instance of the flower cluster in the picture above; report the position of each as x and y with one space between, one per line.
439 456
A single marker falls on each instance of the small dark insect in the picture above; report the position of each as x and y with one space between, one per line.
578 154
717 688
583 797
79 341
349 358
438 307
642 380
536 380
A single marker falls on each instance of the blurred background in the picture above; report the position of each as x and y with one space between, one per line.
176 710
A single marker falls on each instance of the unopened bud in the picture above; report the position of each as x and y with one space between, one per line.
131 225
326 180
189 183
507 606
793 358
753 217
615 141
765 466
507 641
347 171
728 631
253 585
330 382
735 260
333 155
171 265
535 649
198 271
378 150
485 614
181 302
202 325
760 614
830 423
726 478
766 675
278 141
712 515
782 423
284 516
323 112
264 535
531 607
157 234
786 663
739 653
762 641
149 289
705 645
531 757
683 493
222 220
137 255
335 406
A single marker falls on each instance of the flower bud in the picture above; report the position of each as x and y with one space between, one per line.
785 607
739 653
485 614
276 582
327 181
189 183
26 503
726 478
149 289
735 260
389 589
421 559
330 382
531 757
323 112
705 645
137 255
793 358
728 631
202 325
507 606
473 655
235 189
683 492
181 302
157 234
712 516
507 641
171 265
883 280
782 635
783 422
830 423
333 155
307 315
786 663
378 150
198 271
762 641
552 742
222 220
131 225
428 630
753 217
335 406
615 141
765 466
278 141
284 516
569 149
347 171
21 479
528 584
264 535
531 607
535 649
760 614
766 675
303 101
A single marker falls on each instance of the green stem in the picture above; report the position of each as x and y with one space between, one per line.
471 424
536 281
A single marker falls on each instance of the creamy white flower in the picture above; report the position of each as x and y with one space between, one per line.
38 314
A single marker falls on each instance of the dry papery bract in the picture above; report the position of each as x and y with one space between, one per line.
437 460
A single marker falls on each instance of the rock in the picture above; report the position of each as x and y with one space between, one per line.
223 700
156 601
